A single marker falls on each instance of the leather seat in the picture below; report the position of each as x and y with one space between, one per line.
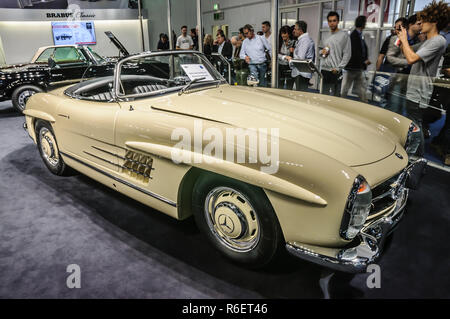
148 88
105 96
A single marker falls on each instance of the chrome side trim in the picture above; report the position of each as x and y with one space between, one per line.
154 195
108 152
124 159
186 114
102 159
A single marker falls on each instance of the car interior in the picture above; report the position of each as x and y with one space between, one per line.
100 89
138 76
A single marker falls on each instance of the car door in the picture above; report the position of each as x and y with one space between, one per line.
85 129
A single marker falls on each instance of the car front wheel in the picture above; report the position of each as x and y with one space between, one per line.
48 149
238 219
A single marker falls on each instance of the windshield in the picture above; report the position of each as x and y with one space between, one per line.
156 73
98 58
145 75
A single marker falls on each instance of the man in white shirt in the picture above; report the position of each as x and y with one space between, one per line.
335 55
253 51
425 62
184 41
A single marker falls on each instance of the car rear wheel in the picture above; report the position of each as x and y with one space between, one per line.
21 95
238 219
48 149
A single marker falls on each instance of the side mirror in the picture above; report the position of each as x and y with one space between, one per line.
51 63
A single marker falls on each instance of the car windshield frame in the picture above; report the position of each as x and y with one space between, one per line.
117 74
95 56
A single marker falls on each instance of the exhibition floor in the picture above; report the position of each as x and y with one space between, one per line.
127 250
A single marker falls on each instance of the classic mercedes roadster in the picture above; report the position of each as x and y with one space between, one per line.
260 169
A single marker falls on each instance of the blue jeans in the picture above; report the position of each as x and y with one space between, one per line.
259 72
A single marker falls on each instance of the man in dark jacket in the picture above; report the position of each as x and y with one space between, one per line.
358 61
222 45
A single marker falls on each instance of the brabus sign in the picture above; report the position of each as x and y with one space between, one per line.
53 15
73 14
66 15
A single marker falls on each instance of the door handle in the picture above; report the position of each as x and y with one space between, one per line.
64 115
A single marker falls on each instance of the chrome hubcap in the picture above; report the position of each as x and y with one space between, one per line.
23 98
232 219
48 147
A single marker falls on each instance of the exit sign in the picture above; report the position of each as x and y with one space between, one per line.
219 16
216 6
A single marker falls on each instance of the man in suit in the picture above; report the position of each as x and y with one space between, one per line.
222 45
224 48
358 62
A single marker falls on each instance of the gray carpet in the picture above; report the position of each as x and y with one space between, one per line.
127 250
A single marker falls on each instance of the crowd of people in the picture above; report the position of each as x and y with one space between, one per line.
409 60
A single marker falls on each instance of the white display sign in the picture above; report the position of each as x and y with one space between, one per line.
197 71
68 33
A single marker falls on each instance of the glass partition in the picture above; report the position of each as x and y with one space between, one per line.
392 12
326 8
421 97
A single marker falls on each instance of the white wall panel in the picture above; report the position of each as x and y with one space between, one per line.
22 39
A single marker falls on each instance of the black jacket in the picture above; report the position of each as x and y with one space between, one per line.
358 58
163 45
227 50
207 49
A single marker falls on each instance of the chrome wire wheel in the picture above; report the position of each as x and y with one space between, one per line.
23 98
48 147
232 219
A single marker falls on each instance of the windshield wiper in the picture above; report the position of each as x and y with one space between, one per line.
187 86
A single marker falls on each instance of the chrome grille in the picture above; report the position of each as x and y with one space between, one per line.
384 195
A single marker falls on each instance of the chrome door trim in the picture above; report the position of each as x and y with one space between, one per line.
151 194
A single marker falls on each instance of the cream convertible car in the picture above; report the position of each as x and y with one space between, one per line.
337 184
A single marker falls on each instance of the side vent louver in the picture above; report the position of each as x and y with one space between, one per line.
138 166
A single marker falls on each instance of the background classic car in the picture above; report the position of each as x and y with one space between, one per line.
343 170
71 64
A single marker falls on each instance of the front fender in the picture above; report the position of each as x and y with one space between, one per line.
39 115
233 170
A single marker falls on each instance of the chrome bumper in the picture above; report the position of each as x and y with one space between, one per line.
367 247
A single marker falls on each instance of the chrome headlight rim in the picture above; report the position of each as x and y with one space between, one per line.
414 132
359 191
